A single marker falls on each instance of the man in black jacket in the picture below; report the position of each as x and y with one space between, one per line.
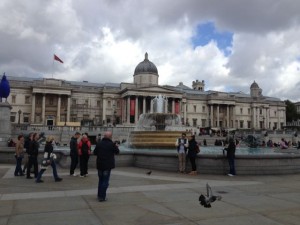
105 151
231 156
74 153
33 152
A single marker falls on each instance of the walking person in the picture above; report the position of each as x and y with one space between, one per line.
105 151
19 155
231 156
33 152
27 144
192 154
74 153
182 145
84 151
49 159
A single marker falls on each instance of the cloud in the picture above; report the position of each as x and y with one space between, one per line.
103 41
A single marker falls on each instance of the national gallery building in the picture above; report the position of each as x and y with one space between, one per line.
57 102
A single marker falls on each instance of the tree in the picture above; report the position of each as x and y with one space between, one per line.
291 111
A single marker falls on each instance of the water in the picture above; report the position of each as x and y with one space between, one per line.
213 150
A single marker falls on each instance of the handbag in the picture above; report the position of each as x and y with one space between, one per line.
197 148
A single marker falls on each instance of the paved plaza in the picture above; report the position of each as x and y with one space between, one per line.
137 198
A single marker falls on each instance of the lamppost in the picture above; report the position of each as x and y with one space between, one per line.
19 112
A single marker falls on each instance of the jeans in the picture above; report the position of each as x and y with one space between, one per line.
74 162
32 161
231 166
18 170
193 162
103 184
53 165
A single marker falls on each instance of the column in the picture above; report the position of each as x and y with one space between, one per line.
173 105
267 118
104 111
218 115
68 108
233 117
253 117
166 105
212 115
58 109
184 112
128 110
227 114
151 105
144 104
43 109
33 108
136 116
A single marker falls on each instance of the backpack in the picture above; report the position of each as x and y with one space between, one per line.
84 148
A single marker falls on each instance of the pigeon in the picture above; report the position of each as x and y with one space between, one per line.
209 198
149 172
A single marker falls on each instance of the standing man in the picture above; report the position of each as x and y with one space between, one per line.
33 152
84 151
231 156
105 151
74 153
182 144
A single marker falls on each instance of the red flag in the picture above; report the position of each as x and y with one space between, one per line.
57 59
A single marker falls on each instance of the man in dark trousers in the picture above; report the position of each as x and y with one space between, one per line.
105 151
231 156
74 153
33 152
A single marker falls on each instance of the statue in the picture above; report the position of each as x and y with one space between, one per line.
4 88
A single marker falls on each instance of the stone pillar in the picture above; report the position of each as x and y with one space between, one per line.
128 110
144 105
136 116
253 117
184 112
233 117
58 109
173 106
227 115
151 105
33 109
68 108
5 125
212 115
104 111
43 109
218 115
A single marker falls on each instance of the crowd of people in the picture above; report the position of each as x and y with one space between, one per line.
27 149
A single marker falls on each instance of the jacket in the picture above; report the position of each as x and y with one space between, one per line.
230 150
84 140
192 148
186 144
105 151
73 146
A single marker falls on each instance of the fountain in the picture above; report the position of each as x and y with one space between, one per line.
157 130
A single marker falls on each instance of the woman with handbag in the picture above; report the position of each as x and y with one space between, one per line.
192 154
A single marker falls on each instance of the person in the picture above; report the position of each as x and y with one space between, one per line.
74 153
27 144
105 151
33 152
192 154
182 144
231 156
49 158
19 155
84 151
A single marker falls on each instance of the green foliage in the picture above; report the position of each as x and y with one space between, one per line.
291 111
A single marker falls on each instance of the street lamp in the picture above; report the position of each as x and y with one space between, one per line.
19 112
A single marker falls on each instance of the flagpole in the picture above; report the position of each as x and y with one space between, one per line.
52 66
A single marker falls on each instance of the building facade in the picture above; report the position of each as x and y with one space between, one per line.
56 102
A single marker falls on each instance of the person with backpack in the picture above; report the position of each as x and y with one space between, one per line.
84 151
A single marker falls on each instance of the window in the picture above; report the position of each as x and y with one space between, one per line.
109 104
51 101
27 99
274 113
98 103
194 122
74 102
26 118
260 111
86 102
195 108
13 118
248 124
241 110
13 99
249 111
118 104
203 108
241 124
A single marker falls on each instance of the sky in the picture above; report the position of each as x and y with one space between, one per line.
229 44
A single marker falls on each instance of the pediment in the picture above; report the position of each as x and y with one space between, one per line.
151 91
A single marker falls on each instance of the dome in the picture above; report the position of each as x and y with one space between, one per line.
254 85
145 66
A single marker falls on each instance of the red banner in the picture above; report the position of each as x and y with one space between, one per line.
132 107
177 111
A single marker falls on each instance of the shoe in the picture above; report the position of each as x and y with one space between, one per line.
22 174
58 179
29 177
231 175
39 181
16 175
81 176
74 175
102 200
86 175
